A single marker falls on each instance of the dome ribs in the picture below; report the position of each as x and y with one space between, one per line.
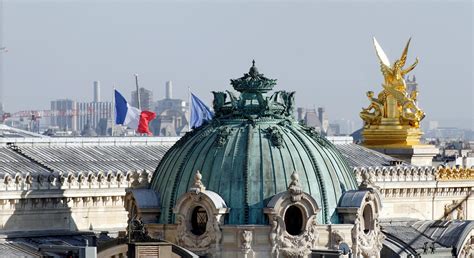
246 173
324 196
179 173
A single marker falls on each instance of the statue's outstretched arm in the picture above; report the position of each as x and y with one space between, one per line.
409 69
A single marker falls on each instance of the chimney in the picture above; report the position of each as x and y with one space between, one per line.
96 91
300 111
169 90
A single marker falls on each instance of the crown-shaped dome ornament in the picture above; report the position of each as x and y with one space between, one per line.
253 82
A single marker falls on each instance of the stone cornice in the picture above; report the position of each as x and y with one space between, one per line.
75 180
397 173
412 181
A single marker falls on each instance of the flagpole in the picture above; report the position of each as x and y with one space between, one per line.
113 113
189 108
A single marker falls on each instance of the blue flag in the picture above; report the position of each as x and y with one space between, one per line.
199 112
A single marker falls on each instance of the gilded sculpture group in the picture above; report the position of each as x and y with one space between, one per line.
393 103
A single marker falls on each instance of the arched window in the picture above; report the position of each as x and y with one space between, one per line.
368 219
198 221
294 220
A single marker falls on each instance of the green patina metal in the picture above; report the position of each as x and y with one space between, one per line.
248 152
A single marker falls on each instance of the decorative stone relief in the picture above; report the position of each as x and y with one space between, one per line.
337 237
363 212
275 136
294 188
292 246
208 241
368 180
468 249
453 211
222 136
246 238
367 244
283 243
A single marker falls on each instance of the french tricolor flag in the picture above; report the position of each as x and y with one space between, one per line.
131 116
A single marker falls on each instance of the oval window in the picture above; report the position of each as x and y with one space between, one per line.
198 221
294 220
368 219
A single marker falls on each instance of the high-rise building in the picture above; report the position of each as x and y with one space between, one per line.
92 113
63 114
146 99
323 119
311 119
96 91
171 115
169 89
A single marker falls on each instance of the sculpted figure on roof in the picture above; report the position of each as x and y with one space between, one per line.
393 103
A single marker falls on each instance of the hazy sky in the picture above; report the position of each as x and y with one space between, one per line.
323 50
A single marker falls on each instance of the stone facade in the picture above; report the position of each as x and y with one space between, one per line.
420 192
72 201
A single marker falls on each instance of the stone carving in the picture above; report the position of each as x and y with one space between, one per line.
454 211
246 238
368 180
315 135
468 249
197 186
275 136
294 188
222 136
138 231
337 237
367 244
207 243
289 245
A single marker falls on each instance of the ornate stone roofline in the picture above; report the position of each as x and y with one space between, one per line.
397 173
414 173
75 180
412 181
87 141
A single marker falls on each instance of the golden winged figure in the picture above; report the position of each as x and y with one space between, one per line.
394 73
393 101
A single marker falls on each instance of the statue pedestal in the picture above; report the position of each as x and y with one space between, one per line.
398 141
417 155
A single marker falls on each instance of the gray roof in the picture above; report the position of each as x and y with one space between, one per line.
146 198
414 234
360 156
45 159
29 246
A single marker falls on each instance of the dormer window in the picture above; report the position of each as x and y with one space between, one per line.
294 220
198 221
368 219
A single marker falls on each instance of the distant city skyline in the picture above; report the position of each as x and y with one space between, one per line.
322 50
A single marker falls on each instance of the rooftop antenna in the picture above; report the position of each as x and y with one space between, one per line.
139 106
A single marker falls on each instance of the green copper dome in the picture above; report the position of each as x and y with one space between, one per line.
247 154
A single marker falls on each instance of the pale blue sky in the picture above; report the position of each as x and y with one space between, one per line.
321 49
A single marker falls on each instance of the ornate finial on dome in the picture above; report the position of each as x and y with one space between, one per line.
253 82
253 70
295 188
198 186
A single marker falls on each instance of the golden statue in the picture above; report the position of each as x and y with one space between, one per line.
396 102
394 114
